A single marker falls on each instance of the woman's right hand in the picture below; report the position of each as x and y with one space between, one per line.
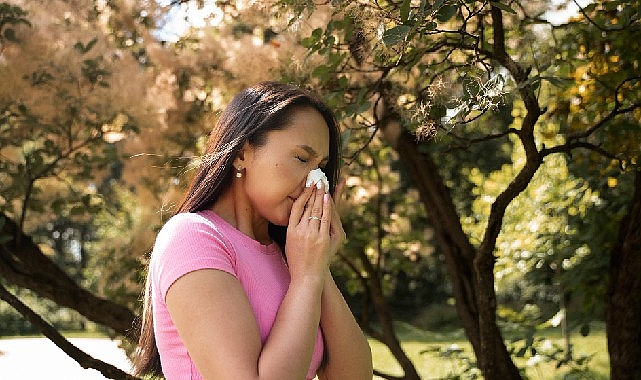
308 248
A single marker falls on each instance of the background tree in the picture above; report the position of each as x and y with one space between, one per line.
608 71
69 93
423 67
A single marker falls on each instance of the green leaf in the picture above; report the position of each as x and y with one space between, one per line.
57 205
471 88
77 210
90 45
395 35
317 33
84 49
446 12
308 42
437 111
363 107
430 26
405 10
558 82
343 82
503 7
347 133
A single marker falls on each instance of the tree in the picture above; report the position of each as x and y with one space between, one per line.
392 59
623 309
386 254
68 97
59 119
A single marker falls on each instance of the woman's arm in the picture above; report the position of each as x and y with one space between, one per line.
348 353
217 326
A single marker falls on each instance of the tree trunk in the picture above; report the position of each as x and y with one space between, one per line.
459 255
23 264
388 334
623 304
472 296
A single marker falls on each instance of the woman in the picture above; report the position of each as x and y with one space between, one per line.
239 284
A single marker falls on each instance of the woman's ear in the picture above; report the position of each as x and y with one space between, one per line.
243 156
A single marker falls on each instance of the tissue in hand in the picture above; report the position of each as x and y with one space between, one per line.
315 177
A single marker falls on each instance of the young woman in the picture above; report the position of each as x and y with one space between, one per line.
239 284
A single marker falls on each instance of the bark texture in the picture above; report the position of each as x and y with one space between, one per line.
23 264
623 309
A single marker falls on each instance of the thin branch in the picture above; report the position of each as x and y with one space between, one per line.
387 376
568 147
616 110
467 143
82 358
36 176
596 25
352 157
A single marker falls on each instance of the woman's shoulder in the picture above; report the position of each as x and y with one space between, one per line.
184 219
188 242
192 225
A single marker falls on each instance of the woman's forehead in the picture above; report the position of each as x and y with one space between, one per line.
306 129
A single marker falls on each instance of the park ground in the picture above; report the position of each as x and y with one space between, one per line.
436 355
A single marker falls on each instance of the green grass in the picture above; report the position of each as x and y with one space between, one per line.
431 365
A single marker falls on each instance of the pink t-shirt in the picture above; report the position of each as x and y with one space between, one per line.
203 240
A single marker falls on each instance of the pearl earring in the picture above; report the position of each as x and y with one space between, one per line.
239 172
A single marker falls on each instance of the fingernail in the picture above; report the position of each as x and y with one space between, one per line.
326 198
319 184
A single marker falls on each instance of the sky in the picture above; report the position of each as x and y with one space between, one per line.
561 16
181 18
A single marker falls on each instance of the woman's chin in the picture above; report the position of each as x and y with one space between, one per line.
281 221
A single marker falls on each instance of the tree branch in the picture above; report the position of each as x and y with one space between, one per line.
466 143
82 358
25 265
386 376
568 147
616 110
596 25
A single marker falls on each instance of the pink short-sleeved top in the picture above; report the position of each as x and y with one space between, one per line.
203 240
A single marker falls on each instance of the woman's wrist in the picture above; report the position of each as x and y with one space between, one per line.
310 280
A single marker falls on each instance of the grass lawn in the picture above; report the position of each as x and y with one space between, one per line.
432 365
423 348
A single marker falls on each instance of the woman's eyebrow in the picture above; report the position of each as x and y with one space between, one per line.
312 152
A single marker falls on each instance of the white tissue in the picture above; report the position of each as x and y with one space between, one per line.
315 177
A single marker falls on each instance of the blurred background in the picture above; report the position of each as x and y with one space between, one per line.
491 152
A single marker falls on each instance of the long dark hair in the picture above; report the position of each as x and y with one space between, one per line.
250 116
